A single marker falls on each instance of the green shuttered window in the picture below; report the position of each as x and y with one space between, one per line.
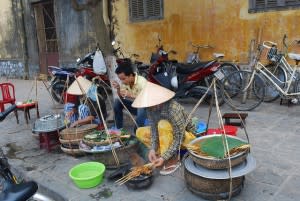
271 5
144 10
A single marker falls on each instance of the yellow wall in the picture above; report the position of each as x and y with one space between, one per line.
224 24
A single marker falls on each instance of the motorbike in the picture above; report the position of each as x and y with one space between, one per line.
189 80
139 67
63 77
12 190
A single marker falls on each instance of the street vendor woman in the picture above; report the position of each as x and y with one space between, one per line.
86 109
167 130
131 85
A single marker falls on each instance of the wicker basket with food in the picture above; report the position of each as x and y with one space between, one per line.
96 137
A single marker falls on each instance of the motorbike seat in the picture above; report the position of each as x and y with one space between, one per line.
73 70
143 67
189 68
7 111
18 192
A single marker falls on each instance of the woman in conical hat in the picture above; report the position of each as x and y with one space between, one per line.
167 126
85 110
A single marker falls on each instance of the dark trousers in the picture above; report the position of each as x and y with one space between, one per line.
118 110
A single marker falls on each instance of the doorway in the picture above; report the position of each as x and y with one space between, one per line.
46 35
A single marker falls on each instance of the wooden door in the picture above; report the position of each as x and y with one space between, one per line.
46 35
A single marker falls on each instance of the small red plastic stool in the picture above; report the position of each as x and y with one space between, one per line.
48 140
26 107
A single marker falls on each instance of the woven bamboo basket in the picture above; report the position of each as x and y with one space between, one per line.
75 141
215 163
78 132
108 160
73 151
212 189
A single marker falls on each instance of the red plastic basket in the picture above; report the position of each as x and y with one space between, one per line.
229 130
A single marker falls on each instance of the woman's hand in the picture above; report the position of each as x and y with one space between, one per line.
152 156
74 124
159 162
69 114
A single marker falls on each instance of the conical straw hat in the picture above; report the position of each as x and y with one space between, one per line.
80 86
152 94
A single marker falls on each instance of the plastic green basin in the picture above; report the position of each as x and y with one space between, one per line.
87 175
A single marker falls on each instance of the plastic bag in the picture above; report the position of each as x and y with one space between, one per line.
99 66
92 92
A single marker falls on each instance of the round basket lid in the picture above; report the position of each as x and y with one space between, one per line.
237 171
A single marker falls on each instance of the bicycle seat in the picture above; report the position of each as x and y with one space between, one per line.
294 56
18 192
7 111
189 68
218 55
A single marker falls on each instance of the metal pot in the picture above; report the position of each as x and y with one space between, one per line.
214 163
140 182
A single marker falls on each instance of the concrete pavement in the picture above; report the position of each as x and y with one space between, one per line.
273 130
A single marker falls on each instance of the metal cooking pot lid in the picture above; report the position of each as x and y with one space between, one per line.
240 170
49 123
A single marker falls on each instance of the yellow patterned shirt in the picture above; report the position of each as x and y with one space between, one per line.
137 87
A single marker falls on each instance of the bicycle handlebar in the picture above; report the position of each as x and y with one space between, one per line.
269 44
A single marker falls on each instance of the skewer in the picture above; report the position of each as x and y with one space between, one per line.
136 171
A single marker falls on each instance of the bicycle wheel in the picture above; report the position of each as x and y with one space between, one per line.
278 75
211 95
239 94
228 68
297 90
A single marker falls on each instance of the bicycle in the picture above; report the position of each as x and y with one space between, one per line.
226 67
279 67
245 90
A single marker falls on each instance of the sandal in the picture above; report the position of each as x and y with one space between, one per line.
170 169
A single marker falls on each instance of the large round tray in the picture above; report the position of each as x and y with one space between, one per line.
104 142
78 132
214 163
